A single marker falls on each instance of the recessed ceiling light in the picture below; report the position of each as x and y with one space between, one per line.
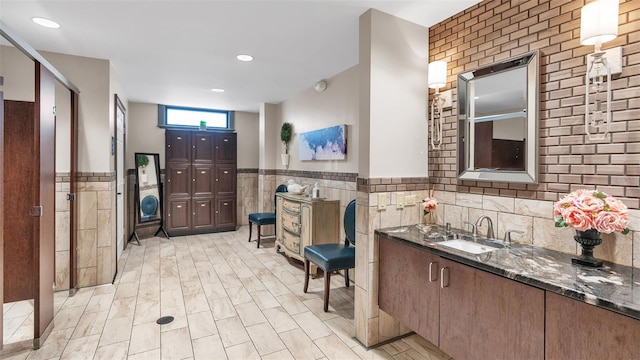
45 22
244 57
218 90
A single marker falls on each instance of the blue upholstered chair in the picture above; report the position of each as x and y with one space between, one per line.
333 257
264 218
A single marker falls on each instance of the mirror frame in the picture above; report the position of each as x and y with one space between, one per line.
139 188
531 61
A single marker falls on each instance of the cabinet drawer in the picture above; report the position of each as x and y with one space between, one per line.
291 241
291 222
291 206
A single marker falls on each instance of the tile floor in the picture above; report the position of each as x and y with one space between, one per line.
229 300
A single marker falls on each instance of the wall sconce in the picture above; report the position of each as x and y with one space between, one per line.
599 24
437 78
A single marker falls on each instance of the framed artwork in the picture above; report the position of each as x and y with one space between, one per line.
324 144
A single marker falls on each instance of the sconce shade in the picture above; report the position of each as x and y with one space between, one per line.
437 76
599 22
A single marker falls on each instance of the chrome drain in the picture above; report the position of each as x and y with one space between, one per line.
164 320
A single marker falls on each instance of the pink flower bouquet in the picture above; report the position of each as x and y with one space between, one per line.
429 204
591 209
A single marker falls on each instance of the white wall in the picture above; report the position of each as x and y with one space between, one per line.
312 110
115 88
247 125
269 136
63 128
18 72
393 55
92 77
143 133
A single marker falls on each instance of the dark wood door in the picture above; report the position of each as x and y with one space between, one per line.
203 180
203 148
482 313
179 180
225 216
482 144
178 146
575 330
45 179
73 189
19 280
179 214
225 148
409 288
203 214
225 179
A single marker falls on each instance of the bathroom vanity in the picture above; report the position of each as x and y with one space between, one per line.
493 301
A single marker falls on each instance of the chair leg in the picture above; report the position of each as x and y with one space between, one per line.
346 277
259 234
327 285
250 229
306 275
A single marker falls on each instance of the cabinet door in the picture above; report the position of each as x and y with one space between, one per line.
202 179
225 213
203 214
178 180
408 287
179 214
482 313
178 146
225 179
225 147
203 147
576 330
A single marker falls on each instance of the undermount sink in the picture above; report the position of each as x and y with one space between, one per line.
467 246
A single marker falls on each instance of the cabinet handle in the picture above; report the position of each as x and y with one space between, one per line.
226 140
178 137
216 179
433 272
203 205
225 204
203 172
442 282
178 172
203 139
179 206
226 172
194 179
169 145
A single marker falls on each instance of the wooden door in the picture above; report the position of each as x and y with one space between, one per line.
18 199
203 214
178 146
179 180
203 148
203 183
486 315
1 208
178 214
44 197
225 179
225 148
225 216
408 287
575 330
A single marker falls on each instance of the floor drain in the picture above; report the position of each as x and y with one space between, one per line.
164 320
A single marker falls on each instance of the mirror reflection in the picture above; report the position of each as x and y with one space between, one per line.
148 178
497 119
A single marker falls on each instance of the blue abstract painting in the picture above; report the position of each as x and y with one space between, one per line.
324 144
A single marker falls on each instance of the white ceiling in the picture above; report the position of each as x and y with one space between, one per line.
174 52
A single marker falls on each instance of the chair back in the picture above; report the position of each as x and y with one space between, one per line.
350 222
280 188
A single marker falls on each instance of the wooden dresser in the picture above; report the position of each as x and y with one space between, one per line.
301 221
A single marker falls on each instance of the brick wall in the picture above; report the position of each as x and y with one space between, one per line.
499 29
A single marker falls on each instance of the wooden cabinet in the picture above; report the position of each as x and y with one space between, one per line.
200 188
301 221
465 311
576 330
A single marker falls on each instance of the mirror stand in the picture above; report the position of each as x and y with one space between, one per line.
136 209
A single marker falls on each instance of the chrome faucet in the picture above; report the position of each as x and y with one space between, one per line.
474 228
507 235
490 233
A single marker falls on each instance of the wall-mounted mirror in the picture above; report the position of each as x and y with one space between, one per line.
148 180
498 121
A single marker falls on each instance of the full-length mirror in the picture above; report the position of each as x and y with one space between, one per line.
148 180
498 121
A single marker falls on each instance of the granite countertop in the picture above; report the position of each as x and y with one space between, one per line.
613 287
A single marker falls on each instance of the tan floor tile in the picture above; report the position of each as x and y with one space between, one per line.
179 318
116 330
252 284
149 355
238 295
250 314
171 298
126 290
232 332
311 325
146 312
280 320
67 318
344 329
372 354
201 325
265 339
292 304
196 303
425 348
81 348
117 351
176 344
90 324
53 346
244 351
99 302
334 348
144 337
222 308
264 299
300 345
276 288
209 347
280 355
123 307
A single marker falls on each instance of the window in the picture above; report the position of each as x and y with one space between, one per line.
173 116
